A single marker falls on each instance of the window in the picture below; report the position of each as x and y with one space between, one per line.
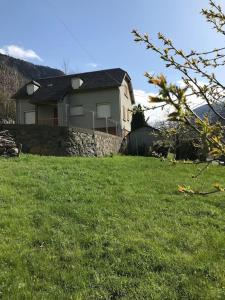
126 91
77 110
128 115
103 110
29 117
124 113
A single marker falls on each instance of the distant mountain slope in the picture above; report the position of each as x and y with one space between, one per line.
15 72
205 110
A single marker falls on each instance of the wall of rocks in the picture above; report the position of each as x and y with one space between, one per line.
63 141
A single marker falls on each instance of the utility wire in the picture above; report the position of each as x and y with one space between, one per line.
75 39
72 35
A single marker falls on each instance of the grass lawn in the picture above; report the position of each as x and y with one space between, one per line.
109 228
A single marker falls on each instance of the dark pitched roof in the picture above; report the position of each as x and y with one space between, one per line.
55 88
147 127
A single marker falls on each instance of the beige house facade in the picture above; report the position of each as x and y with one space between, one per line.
100 100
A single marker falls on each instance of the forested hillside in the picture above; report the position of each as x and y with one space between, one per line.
13 74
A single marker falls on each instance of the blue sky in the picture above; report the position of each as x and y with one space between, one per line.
91 35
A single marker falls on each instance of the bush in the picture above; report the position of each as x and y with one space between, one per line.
160 149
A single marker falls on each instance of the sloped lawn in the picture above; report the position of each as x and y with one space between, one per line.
111 228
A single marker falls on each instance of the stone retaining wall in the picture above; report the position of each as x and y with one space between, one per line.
63 141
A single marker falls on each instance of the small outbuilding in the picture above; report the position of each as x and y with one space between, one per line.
141 141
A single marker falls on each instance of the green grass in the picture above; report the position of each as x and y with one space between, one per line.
110 228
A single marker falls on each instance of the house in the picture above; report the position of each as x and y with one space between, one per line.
100 100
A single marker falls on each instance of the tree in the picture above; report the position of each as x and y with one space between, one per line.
194 67
138 118
65 66
7 108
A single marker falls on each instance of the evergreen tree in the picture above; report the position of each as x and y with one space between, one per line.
138 118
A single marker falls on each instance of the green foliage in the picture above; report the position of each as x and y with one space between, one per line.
138 118
109 228
211 135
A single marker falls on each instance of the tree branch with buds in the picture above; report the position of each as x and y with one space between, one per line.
194 67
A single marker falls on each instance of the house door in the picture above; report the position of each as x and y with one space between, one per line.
55 113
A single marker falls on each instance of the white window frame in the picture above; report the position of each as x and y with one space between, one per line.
101 104
27 112
77 114
128 115
124 114
126 90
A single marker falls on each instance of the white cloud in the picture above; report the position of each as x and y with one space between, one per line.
92 65
156 115
19 52
193 100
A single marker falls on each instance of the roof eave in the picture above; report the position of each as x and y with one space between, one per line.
126 76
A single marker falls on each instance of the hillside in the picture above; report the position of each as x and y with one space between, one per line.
205 110
109 228
15 72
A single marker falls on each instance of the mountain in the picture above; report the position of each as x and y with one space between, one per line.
15 72
205 110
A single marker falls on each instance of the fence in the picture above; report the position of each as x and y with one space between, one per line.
108 125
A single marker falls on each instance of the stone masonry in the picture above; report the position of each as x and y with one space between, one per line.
63 141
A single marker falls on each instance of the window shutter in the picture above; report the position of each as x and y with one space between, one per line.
103 110
29 117
77 110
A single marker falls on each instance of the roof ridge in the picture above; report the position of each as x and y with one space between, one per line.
77 74
99 79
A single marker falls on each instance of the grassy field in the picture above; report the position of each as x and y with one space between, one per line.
110 228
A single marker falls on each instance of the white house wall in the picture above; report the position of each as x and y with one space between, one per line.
116 97
23 106
89 100
127 104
